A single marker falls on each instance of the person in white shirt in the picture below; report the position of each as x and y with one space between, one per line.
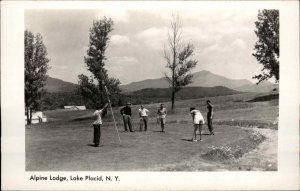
143 113
162 113
198 121
97 124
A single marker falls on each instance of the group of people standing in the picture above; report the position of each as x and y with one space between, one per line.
126 113
143 114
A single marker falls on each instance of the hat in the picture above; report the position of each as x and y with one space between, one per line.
128 103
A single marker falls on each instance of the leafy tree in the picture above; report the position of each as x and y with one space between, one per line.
267 46
92 89
36 67
178 59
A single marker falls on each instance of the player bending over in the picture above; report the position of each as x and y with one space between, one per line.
198 122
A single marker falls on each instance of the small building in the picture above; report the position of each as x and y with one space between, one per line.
37 117
75 107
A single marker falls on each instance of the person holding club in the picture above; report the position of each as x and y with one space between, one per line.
198 121
98 114
143 113
126 113
162 113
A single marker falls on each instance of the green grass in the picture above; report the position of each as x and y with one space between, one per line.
62 144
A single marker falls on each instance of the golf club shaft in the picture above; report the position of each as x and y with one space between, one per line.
112 114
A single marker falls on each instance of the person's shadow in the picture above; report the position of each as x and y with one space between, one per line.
157 131
187 140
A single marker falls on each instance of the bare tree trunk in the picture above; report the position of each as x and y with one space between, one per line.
29 116
174 45
173 98
173 77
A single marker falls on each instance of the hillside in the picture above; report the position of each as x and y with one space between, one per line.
202 79
262 87
185 93
59 86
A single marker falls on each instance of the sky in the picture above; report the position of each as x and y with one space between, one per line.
223 39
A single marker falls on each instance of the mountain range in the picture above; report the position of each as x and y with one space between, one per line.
200 79
205 84
203 78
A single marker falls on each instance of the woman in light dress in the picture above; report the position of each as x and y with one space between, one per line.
198 121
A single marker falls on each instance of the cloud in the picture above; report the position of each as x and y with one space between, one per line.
63 67
122 61
238 43
199 35
154 37
122 67
119 40
116 14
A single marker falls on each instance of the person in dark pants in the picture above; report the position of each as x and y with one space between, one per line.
143 113
162 113
126 113
97 124
210 115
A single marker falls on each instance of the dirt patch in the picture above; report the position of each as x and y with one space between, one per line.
264 157
236 149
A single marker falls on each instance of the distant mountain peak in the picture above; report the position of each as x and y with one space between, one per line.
203 78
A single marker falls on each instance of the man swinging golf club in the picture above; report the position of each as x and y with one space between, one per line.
97 124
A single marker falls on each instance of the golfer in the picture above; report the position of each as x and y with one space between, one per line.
97 124
162 113
126 113
198 121
143 113
210 115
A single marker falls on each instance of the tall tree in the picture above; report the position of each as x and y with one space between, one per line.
36 67
267 46
178 58
92 89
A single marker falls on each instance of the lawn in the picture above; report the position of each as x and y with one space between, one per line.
64 143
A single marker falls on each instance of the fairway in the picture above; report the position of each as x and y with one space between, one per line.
65 142
70 149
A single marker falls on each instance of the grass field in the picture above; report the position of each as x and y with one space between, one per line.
64 143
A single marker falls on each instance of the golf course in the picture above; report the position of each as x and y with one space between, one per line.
245 138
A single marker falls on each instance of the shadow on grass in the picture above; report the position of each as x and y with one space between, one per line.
190 140
157 131
91 145
83 118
